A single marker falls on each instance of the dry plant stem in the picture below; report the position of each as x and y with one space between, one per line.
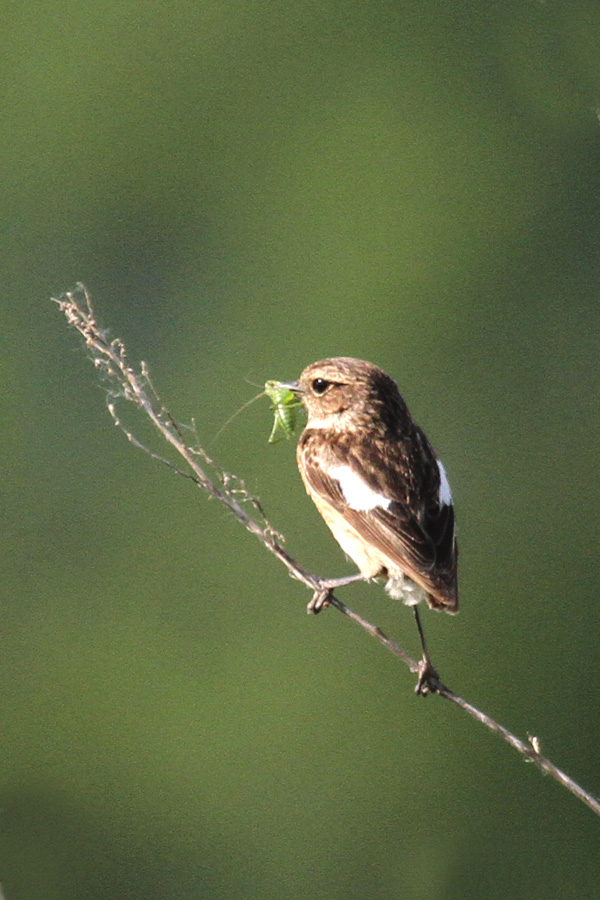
125 383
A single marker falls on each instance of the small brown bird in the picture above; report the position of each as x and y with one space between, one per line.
378 483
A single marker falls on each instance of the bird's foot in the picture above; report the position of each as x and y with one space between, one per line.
428 680
326 587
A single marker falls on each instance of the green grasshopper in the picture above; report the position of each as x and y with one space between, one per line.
285 406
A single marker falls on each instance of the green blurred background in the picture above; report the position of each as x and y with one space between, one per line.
246 187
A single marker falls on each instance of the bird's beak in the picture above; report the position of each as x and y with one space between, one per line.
293 386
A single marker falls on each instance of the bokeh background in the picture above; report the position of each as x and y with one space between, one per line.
246 187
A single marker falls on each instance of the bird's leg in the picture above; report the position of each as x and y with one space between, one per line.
333 583
320 598
428 677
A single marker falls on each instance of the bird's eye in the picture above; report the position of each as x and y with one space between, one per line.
320 385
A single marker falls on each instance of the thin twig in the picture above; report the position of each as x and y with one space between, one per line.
123 382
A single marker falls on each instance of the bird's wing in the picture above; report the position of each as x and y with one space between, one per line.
419 541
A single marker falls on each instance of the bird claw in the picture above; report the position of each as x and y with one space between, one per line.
320 600
428 680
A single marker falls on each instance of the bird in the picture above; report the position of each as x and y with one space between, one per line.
379 485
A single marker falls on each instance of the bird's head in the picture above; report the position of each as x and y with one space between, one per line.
346 394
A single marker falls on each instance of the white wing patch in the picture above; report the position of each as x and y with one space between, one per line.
445 492
357 493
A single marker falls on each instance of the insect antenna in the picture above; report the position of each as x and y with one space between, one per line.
237 412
